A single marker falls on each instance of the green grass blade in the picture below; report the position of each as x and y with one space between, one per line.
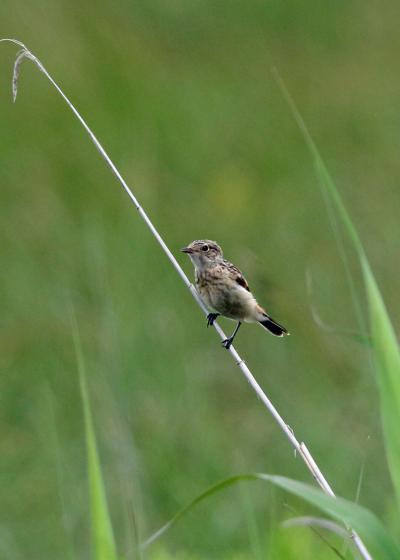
387 363
182 512
102 533
317 523
384 342
364 522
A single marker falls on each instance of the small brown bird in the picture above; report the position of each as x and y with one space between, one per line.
225 291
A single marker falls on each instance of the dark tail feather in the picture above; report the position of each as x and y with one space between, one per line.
273 327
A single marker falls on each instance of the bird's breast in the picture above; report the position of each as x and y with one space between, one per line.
223 295
206 286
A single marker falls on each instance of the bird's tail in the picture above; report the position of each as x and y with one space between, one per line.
273 327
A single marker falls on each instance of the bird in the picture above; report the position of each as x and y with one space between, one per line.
225 291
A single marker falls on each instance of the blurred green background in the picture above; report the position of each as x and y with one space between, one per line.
182 96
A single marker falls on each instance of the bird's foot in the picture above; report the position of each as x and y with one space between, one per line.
211 318
227 342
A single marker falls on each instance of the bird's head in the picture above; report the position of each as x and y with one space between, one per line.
203 253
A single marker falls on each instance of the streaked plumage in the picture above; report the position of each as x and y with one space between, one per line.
224 289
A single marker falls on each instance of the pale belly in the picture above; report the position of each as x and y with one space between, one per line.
232 302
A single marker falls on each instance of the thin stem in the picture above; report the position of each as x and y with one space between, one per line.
300 448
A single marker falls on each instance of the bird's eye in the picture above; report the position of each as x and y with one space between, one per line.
204 248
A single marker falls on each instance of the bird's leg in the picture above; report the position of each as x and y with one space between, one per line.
228 341
211 318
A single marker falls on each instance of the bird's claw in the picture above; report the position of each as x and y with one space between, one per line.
227 342
211 318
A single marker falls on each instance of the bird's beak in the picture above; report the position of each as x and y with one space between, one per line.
187 250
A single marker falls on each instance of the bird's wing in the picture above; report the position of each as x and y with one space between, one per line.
235 274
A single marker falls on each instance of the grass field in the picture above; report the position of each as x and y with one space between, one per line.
183 97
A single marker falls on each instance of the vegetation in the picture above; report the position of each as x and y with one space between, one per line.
200 129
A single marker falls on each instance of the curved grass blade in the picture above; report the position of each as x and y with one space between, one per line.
367 525
320 522
359 337
182 512
384 342
316 523
387 364
102 533
364 522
